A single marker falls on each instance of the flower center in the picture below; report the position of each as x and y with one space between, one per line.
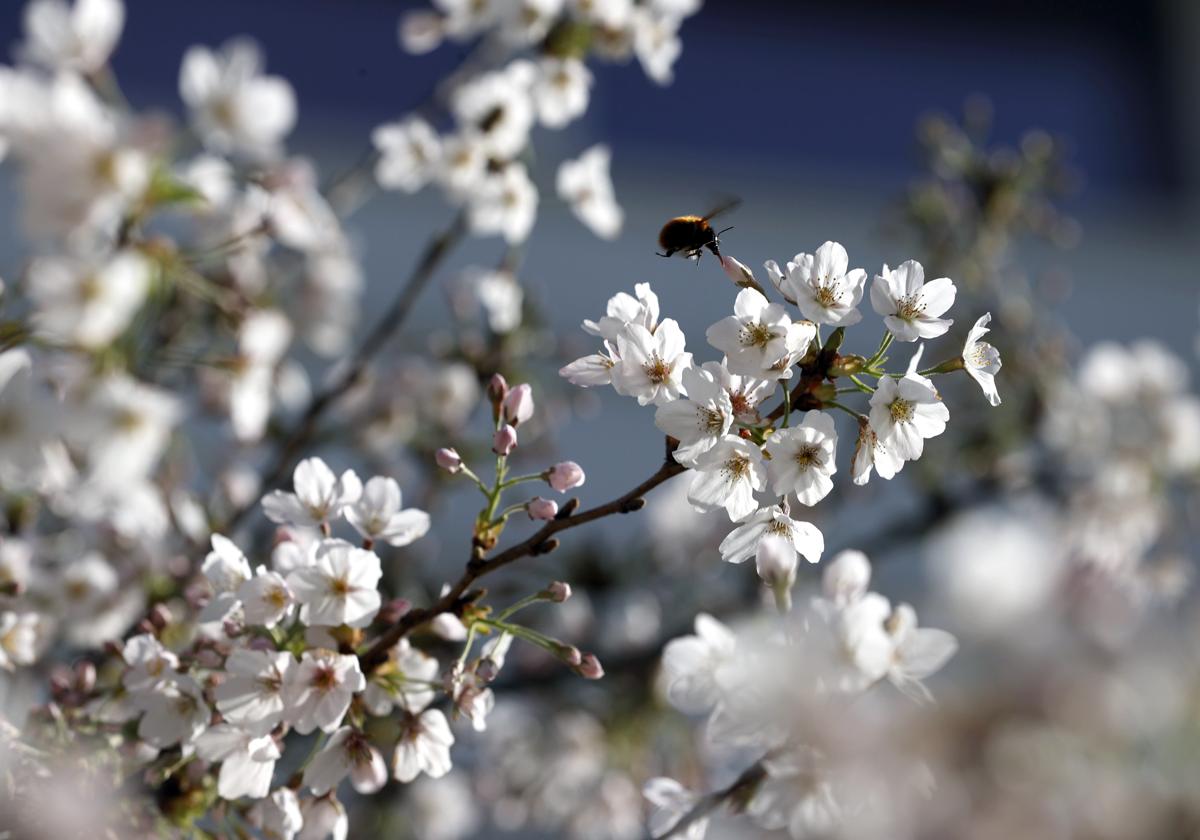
756 335
340 587
277 597
826 294
901 410
808 456
657 371
737 467
775 528
910 307
741 403
712 421
324 679
980 355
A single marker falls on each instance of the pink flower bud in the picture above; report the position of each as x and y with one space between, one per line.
559 591
565 475
505 440
487 670
518 405
85 677
448 459
590 668
737 272
497 388
569 654
540 508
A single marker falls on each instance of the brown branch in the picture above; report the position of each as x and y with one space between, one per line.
305 429
542 542
741 790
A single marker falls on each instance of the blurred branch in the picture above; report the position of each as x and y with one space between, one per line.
302 434
740 790
542 542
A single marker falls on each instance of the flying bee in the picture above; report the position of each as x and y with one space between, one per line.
690 235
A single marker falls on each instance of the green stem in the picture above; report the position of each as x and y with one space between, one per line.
856 414
521 478
884 344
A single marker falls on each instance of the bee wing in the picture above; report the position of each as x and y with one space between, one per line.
723 207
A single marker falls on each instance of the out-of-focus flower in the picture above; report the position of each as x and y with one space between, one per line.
586 185
88 304
409 154
80 37
234 107
424 746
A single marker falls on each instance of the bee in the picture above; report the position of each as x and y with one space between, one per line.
690 235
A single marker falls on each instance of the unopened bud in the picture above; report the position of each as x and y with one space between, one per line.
61 680
590 668
825 391
518 405
539 508
558 591
487 670
505 440
448 459
497 390
569 654
565 475
740 274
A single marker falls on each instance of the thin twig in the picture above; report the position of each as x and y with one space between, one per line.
542 542
305 429
741 788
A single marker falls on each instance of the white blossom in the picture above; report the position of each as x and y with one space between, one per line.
651 365
174 712
79 37
234 107
906 411
671 801
743 541
247 761
758 335
340 587
278 816
319 495
822 285
560 90
226 569
982 360
920 652
424 746
912 308
586 185
702 418
265 598
802 458
410 153
727 476
317 692
377 514
504 203
696 668
346 752
87 303
252 693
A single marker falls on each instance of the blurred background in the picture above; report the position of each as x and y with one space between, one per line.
807 111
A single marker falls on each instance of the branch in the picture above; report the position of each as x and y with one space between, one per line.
741 789
305 429
542 542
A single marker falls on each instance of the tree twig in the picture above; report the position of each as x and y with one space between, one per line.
741 788
542 542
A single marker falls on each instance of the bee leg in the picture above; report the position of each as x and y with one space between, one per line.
667 254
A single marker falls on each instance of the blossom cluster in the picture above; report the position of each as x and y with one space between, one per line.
737 448
764 685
